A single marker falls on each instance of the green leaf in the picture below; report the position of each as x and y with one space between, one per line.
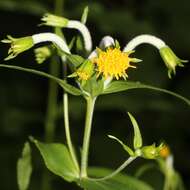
58 160
24 168
67 87
85 15
125 147
137 141
93 86
119 182
79 44
76 60
119 86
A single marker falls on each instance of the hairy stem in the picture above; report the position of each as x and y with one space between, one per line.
87 134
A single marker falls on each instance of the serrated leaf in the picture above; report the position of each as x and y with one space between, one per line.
119 86
67 87
58 160
119 182
125 147
24 168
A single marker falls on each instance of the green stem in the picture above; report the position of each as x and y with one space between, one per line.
51 103
87 134
118 170
67 130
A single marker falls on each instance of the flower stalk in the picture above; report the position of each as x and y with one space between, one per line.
87 134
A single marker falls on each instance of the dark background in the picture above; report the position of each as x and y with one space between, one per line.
23 96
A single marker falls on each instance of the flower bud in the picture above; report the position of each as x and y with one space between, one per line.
18 45
151 152
42 54
171 60
53 20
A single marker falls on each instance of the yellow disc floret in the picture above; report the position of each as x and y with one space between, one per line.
83 75
113 63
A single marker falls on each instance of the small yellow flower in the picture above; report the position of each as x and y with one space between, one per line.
83 75
113 63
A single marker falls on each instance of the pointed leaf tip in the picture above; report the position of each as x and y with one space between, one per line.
125 147
137 142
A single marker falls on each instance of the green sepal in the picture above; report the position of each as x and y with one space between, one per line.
119 86
24 168
125 147
58 160
137 141
117 45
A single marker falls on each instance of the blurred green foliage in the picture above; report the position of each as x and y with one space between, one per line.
23 96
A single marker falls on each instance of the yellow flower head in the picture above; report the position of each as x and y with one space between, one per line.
113 63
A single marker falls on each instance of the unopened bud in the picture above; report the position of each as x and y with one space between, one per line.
151 152
42 53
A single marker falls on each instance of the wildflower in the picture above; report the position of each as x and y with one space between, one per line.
18 45
171 60
113 62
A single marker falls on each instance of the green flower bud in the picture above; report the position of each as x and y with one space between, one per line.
53 20
42 54
171 60
151 152
85 71
18 45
